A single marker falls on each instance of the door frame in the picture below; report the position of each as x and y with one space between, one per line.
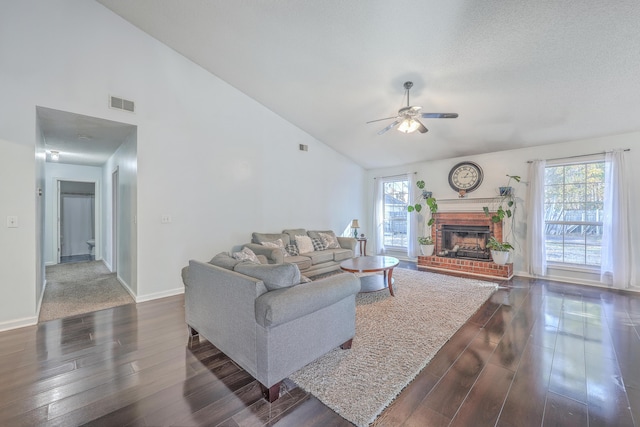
115 182
97 213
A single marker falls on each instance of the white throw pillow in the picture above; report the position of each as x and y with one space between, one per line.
330 240
277 244
304 244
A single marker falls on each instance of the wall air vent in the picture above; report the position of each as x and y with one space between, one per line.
122 104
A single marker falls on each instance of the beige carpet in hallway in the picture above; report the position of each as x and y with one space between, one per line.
78 288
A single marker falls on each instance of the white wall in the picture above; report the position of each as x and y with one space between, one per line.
124 161
64 172
17 245
514 162
218 162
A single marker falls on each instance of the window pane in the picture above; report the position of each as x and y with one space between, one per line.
396 198
574 173
574 196
554 175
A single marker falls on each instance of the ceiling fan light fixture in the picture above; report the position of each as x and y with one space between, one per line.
408 126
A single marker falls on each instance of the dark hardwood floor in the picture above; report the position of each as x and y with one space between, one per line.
537 353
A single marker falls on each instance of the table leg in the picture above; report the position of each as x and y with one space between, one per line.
390 281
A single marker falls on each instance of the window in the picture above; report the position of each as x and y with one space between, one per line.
573 205
395 200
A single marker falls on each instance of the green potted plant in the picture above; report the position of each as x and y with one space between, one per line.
432 205
499 250
506 202
426 245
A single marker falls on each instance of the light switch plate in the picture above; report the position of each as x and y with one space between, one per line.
12 221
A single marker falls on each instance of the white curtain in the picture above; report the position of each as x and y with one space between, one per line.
616 268
378 215
77 224
536 228
413 219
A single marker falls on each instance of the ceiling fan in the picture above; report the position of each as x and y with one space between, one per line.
408 116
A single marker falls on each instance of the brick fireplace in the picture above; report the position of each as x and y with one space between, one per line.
460 239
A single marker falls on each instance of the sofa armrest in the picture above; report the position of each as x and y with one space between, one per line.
347 243
273 255
283 305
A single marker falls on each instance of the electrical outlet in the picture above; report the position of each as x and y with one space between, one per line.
165 219
12 222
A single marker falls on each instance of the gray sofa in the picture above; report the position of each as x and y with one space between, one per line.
264 320
309 264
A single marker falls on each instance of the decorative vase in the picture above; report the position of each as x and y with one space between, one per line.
427 250
500 257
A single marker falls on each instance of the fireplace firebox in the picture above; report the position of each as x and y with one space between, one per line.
466 241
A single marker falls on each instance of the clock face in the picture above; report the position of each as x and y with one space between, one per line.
465 177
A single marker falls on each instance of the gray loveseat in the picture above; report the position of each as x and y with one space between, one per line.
259 316
311 263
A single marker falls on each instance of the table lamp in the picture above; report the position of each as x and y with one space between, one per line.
355 226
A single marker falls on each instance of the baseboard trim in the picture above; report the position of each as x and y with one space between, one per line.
18 323
125 285
576 281
158 295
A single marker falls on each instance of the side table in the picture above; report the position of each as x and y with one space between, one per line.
363 245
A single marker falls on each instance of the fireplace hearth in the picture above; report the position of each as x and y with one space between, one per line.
461 239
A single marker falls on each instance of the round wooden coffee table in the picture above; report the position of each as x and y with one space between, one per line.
372 264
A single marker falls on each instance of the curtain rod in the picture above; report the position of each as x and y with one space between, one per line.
394 176
580 155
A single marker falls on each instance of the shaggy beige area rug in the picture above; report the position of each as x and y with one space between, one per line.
79 288
396 337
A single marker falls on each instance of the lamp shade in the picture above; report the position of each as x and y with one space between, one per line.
408 126
354 224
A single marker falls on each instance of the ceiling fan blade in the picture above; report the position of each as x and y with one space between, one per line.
379 120
422 129
439 115
389 127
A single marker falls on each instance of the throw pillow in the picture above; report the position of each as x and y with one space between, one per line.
304 244
246 255
277 244
330 240
317 244
292 250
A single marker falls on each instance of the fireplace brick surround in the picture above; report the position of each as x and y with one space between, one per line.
465 266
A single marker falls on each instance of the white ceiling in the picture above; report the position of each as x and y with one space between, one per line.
519 73
80 140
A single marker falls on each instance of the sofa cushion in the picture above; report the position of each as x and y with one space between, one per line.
319 257
304 244
342 254
224 260
284 305
330 240
274 276
270 237
303 262
293 232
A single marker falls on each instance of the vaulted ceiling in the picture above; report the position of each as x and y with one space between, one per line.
519 74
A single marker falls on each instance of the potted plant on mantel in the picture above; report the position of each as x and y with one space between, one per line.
506 202
499 250
426 243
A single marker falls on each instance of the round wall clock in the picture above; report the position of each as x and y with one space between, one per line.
465 177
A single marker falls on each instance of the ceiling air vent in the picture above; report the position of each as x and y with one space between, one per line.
122 104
